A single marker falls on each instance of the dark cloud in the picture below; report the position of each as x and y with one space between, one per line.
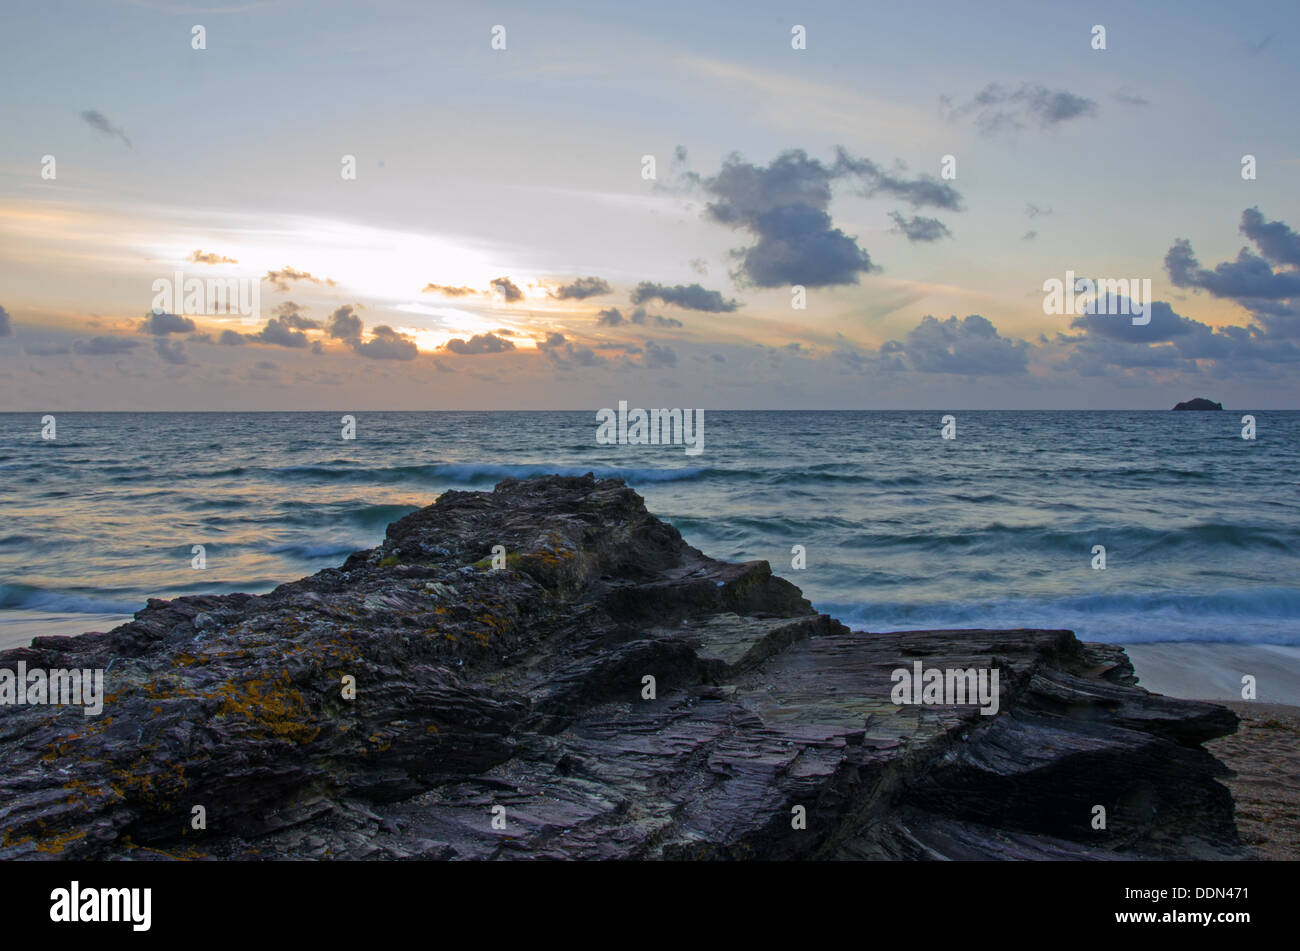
1270 293
924 191
447 291
1249 276
581 289
171 351
658 356
1029 236
104 346
291 315
785 207
231 339
479 343
100 123
1165 325
567 355
280 334
344 324
161 324
6 327
920 229
209 257
612 317
281 279
1275 240
971 346
1172 342
508 289
387 344
997 108
641 316
686 296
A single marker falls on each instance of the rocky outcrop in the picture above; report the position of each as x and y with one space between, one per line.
1199 403
505 712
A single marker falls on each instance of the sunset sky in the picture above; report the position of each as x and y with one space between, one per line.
499 247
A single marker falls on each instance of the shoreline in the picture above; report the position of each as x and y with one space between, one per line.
1264 754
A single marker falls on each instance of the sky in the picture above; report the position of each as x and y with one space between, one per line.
452 206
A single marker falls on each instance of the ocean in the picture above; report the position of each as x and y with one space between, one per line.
899 527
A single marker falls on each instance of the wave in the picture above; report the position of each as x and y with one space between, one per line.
1139 539
30 598
476 473
1250 616
311 552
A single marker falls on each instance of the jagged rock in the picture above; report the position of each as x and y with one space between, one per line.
522 688
1198 403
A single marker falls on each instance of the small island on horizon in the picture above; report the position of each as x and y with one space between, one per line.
1199 403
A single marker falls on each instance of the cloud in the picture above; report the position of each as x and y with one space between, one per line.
612 317
658 356
686 296
387 344
344 324
581 289
171 351
1173 342
208 257
161 324
508 289
1131 99
1271 294
231 339
920 229
1029 236
997 108
291 315
566 355
280 279
1275 240
39 349
1165 325
1034 211
447 291
785 207
6 327
100 123
479 343
971 346
280 334
104 346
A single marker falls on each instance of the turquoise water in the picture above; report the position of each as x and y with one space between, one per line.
902 529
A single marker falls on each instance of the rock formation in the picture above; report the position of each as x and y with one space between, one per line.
1199 403
504 713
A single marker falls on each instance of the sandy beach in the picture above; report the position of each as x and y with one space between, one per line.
1265 750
